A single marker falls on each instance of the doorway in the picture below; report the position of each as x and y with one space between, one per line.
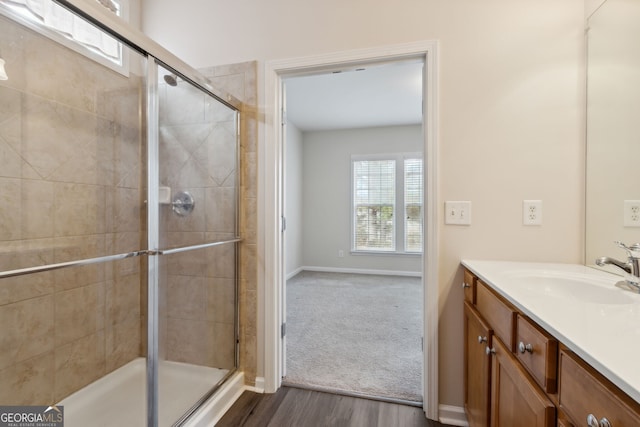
353 203
273 161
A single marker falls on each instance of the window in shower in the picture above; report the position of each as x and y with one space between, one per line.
63 26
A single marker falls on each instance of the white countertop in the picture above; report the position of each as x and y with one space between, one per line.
600 322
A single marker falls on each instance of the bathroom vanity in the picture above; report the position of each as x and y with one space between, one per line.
549 344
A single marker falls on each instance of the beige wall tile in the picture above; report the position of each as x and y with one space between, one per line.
14 289
79 363
122 299
220 207
221 261
79 209
29 382
22 254
233 84
221 345
221 297
122 343
124 209
249 176
76 248
186 297
250 208
36 209
10 219
27 330
248 263
43 123
182 104
78 313
187 340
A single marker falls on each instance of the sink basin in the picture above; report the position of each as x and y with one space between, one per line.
584 288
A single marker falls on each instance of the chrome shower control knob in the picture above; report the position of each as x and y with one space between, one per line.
481 339
592 421
525 348
604 422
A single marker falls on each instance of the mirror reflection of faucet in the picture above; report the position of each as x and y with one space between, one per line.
631 267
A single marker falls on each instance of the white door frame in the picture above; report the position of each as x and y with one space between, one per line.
273 163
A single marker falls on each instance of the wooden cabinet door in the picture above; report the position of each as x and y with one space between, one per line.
515 399
477 365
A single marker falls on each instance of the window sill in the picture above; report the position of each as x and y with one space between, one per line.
386 253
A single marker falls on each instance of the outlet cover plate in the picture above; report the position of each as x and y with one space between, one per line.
457 213
532 212
632 213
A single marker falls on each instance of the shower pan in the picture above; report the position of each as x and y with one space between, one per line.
119 230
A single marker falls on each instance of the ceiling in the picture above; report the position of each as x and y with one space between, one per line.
369 96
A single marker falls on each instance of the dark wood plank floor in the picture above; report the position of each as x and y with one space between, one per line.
306 408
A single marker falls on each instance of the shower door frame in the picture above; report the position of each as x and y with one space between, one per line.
154 251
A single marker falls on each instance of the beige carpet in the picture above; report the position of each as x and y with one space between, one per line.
355 333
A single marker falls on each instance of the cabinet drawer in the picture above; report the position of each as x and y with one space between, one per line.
584 392
497 312
538 353
469 287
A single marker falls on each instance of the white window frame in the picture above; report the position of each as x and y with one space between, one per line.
30 19
399 220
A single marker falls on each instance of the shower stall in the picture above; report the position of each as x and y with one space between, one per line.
119 182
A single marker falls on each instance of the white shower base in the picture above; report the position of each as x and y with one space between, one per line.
119 398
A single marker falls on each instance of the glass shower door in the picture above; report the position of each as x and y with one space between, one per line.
197 230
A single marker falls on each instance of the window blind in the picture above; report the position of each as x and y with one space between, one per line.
413 202
77 29
374 204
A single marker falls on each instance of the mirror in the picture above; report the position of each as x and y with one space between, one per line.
613 130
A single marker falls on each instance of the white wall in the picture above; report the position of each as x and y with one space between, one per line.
511 105
327 194
591 6
293 199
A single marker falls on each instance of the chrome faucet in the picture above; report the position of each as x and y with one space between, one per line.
631 267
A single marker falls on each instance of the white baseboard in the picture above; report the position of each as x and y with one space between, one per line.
294 272
453 415
360 271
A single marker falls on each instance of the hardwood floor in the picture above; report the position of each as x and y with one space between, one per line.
307 408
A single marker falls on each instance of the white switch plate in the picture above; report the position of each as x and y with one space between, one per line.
532 212
632 213
457 213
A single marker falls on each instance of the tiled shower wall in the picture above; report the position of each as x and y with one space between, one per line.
71 145
240 80
70 188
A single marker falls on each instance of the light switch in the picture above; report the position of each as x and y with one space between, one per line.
457 212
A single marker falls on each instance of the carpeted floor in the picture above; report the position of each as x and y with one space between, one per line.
356 333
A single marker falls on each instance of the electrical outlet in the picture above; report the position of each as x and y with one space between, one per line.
340 253
532 212
632 213
457 213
